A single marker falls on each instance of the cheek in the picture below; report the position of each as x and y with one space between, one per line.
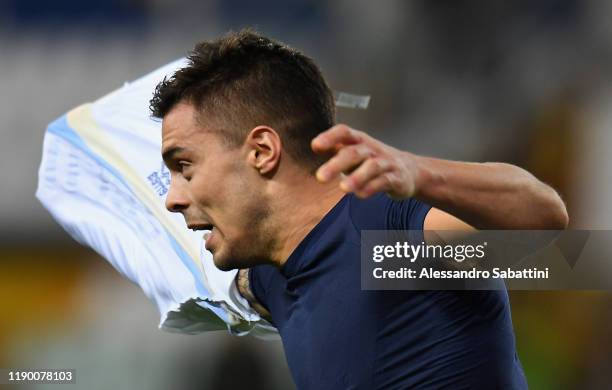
238 221
229 196
207 190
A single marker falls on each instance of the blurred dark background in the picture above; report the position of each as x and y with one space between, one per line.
526 82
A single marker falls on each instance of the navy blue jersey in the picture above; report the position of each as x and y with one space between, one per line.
337 336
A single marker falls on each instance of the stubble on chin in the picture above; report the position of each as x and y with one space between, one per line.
255 248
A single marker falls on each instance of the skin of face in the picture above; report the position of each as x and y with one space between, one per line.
216 187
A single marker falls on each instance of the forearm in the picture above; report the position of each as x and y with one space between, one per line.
489 195
484 196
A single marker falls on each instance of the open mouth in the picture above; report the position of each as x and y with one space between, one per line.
206 226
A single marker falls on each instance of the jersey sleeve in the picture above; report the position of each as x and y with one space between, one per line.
383 213
407 214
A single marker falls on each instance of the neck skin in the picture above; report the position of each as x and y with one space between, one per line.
299 203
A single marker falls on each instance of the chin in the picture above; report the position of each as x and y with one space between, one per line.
224 263
232 260
223 266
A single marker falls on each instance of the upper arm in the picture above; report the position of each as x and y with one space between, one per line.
442 226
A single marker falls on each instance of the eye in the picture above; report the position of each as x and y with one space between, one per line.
185 169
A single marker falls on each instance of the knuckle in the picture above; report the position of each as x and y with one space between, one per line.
343 129
390 178
380 164
357 133
361 175
353 153
396 161
364 151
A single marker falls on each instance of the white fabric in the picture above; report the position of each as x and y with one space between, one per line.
103 180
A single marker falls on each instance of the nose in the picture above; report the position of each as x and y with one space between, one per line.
177 200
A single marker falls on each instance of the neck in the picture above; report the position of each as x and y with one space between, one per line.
301 205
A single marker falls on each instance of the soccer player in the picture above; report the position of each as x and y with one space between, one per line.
255 156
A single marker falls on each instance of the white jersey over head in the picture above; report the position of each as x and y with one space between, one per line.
103 179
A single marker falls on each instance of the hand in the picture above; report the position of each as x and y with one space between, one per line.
369 165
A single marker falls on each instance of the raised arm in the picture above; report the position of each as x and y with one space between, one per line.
464 195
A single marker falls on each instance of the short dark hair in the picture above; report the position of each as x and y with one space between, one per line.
243 80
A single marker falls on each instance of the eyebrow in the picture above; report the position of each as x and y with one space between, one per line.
169 154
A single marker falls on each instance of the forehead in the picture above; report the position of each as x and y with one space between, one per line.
184 134
180 124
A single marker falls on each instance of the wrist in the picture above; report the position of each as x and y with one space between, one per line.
421 174
426 176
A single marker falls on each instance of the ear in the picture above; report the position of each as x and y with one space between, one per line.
264 149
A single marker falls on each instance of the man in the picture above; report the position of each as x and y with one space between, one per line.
255 157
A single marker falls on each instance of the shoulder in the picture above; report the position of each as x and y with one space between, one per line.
380 212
